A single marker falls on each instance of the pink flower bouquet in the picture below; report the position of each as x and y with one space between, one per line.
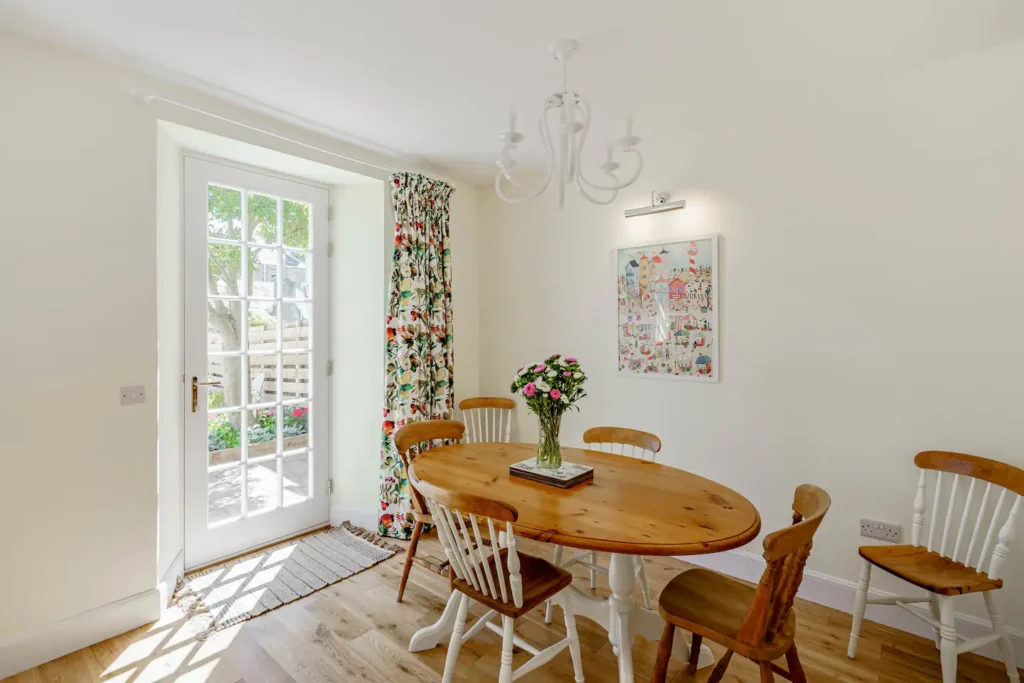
550 388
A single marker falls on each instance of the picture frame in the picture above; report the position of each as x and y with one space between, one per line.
667 310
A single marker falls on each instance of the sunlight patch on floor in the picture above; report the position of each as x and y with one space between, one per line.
169 652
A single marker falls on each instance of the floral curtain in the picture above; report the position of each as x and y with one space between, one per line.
418 361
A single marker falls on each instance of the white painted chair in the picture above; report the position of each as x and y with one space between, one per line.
501 579
948 566
487 419
620 441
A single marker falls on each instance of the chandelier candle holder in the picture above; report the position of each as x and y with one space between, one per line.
564 159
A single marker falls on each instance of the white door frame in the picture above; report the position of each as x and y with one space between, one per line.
205 543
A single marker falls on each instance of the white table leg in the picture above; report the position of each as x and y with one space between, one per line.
622 580
642 622
429 636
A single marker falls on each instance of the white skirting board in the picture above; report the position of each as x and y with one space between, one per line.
81 630
364 518
169 581
838 594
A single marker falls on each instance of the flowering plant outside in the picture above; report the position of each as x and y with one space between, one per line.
223 431
550 388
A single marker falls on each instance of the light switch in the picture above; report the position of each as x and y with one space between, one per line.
132 395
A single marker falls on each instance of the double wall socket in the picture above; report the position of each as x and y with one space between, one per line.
883 531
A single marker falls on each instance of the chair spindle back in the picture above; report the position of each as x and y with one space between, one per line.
487 419
1001 483
622 441
786 552
417 437
459 517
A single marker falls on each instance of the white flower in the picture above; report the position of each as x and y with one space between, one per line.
526 369
578 375
552 373
542 386
565 397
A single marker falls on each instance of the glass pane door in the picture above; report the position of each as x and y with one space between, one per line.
252 240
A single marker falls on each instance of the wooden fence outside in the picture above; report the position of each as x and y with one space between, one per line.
295 366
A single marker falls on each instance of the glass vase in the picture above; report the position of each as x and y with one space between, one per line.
549 451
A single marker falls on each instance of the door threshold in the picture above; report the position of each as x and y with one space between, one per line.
257 549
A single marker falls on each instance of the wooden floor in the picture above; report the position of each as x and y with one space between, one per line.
355 631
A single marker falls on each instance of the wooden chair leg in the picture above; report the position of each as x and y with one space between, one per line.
417 529
1005 644
860 603
947 644
574 640
557 561
664 654
719 671
641 574
455 644
451 580
766 672
691 668
796 671
508 634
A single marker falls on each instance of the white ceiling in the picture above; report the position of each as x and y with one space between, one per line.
435 80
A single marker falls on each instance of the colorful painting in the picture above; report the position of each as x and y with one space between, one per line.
668 310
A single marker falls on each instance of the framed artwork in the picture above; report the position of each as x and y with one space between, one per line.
668 310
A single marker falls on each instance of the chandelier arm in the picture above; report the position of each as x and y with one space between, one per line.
590 198
546 138
585 107
577 147
624 184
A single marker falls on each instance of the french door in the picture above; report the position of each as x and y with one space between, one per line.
256 361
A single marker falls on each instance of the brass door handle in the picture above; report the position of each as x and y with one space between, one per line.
195 391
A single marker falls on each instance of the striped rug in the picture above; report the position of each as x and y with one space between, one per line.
248 586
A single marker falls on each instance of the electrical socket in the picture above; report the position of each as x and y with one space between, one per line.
883 531
133 394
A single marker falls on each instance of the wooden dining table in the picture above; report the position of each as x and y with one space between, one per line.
632 507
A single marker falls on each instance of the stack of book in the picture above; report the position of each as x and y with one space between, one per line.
566 476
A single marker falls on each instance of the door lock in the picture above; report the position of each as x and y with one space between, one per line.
195 391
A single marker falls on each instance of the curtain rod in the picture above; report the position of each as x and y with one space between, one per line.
143 100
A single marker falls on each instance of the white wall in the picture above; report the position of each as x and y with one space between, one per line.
359 272
77 183
363 235
170 362
82 252
871 295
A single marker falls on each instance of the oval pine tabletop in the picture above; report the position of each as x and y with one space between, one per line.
631 506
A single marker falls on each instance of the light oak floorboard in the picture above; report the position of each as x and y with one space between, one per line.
354 631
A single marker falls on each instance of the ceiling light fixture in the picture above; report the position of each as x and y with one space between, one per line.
563 162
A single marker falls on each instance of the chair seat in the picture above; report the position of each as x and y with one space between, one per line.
714 606
541 580
928 570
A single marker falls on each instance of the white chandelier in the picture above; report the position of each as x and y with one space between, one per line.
564 163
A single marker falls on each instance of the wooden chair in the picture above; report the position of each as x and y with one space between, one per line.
945 569
621 441
758 623
487 419
498 577
409 440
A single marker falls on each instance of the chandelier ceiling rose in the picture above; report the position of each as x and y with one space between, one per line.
563 162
